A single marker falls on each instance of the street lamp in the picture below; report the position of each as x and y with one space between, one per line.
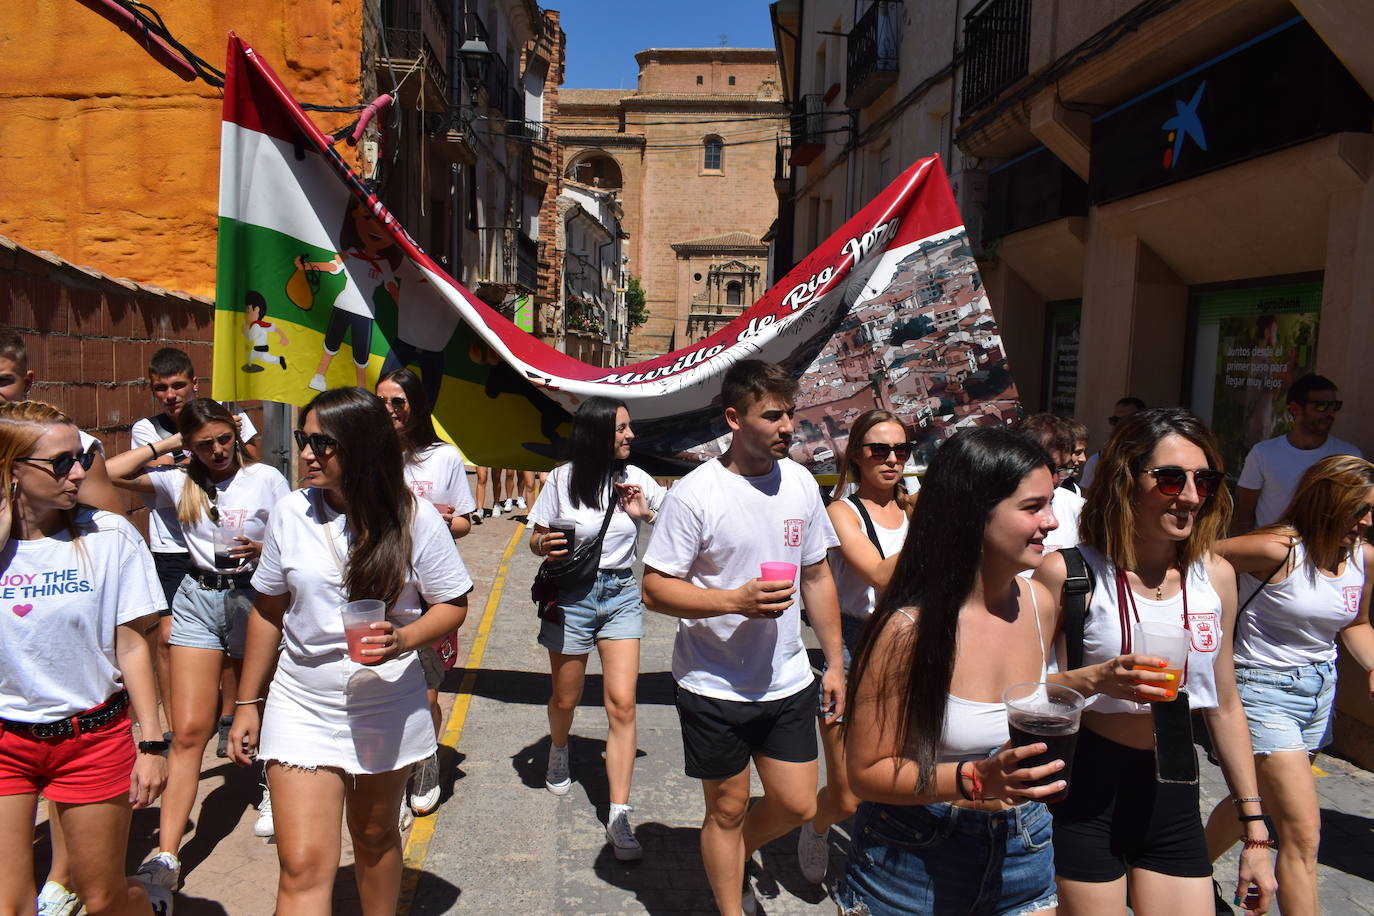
476 58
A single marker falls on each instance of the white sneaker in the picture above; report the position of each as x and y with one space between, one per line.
813 853
56 900
622 835
558 777
407 816
520 503
508 505
318 383
495 509
424 786
264 827
160 898
162 870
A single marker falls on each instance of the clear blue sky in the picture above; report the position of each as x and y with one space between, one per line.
603 35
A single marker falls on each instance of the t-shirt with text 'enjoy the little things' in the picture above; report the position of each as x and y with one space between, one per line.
714 530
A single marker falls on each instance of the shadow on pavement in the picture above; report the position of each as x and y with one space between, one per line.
433 895
656 688
670 877
450 771
1347 843
219 813
586 759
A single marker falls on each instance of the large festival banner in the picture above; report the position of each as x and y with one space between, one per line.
318 286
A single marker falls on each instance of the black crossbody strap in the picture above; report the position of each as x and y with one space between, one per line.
868 523
1078 585
1265 581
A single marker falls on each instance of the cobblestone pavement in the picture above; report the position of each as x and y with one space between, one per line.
500 843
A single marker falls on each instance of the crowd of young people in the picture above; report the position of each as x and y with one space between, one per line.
904 593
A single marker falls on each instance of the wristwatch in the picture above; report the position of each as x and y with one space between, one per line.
153 747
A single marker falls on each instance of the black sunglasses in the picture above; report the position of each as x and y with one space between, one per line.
880 450
1172 480
62 464
396 403
319 443
1333 406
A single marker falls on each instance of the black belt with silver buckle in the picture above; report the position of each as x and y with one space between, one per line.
78 724
222 582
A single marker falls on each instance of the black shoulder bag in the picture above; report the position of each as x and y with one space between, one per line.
868 523
569 574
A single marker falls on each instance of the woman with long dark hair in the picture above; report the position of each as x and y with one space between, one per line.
1305 580
222 504
1149 530
341 729
605 611
946 802
871 523
74 668
434 472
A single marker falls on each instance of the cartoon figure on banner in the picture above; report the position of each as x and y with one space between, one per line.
371 258
427 319
256 328
502 379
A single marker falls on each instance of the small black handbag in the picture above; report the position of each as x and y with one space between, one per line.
570 574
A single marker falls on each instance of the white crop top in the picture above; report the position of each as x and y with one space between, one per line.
974 729
857 597
1102 635
1295 622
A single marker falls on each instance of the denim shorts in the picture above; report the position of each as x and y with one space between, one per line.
610 608
205 618
945 860
1289 709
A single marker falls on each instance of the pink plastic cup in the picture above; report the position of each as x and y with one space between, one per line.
778 572
358 617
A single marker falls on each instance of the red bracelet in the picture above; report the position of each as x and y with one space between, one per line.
977 783
959 781
1258 844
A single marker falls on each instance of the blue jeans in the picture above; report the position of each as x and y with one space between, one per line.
943 860
609 608
1288 709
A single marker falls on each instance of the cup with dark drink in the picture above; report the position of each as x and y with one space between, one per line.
566 527
226 539
1040 713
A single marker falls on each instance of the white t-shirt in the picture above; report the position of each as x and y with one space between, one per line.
1274 467
714 530
1295 622
60 611
437 475
297 558
618 548
244 501
164 533
857 597
1085 479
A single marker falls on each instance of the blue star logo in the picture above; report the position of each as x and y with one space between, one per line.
1184 124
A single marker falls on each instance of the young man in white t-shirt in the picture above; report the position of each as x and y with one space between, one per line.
1273 467
745 686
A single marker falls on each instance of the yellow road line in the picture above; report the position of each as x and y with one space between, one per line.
417 846
1318 771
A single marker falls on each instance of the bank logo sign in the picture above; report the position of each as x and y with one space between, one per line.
1184 124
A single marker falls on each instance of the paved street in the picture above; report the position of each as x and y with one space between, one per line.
502 844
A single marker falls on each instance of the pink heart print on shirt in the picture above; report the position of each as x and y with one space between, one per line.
22 610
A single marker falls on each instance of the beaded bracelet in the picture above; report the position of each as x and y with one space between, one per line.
1240 801
1258 844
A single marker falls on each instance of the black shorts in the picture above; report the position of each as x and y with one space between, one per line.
720 736
1118 817
171 569
341 322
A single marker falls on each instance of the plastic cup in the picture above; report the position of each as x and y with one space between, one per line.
568 528
358 617
1169 642
1048 713
778 572
224 539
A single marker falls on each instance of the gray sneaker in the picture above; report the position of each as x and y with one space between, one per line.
813 853
622 837
424 786
162 870
558 777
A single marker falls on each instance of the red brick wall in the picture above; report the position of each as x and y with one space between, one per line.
90 338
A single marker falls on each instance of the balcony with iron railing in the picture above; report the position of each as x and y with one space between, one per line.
526 262
452 126
873 52
808 128
407 49
584 316
996 50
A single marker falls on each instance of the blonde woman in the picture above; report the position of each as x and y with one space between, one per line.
221 492
80 594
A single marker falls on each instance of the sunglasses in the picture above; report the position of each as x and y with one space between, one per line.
204 445
1172 480
396 403
880 450
1324 406
1363 510
319 443
62 464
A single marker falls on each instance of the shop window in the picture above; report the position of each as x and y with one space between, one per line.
713 153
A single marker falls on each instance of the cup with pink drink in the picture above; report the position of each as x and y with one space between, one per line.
358 618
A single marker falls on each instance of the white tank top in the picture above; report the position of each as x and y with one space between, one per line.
1294 622
1102 633
974 729
857 597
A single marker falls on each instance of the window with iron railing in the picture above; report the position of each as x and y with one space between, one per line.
996 50
872 54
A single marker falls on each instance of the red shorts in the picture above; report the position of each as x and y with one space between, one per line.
91 767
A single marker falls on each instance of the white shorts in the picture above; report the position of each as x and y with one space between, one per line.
332 712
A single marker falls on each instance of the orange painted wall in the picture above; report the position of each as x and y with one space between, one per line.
110 160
